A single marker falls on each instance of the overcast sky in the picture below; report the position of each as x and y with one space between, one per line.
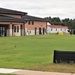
42 8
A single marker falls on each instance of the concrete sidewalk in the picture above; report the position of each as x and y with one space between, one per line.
7 71
29 72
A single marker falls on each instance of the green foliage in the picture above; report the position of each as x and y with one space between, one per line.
64 22
54 20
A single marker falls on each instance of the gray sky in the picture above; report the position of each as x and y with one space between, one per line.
42 8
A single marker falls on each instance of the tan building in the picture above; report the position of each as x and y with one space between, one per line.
17 23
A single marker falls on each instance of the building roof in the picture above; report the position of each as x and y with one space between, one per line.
10 19
24 15
31 18
13 12
57 26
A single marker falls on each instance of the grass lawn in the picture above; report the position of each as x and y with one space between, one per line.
35 52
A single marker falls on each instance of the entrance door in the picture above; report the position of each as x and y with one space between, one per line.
3 30
21 30
35 30
40 31
43 31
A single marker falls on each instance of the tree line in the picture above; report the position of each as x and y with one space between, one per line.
64 22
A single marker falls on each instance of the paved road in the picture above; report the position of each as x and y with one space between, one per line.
29 72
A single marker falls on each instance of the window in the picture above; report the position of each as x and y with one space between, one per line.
61 29
16 28
51 29
32 22
28 22
56 29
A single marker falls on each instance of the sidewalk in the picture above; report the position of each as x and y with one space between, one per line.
8 71
29 72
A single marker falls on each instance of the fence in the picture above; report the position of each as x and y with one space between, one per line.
64 56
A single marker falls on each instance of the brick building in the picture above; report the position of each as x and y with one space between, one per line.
17 23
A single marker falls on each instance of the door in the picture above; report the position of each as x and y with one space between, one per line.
21 30
3 30
40 31
35 30
43 31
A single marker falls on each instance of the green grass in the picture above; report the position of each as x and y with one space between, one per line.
35 52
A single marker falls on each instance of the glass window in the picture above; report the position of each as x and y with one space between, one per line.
61 29
32 22
28 22
17 28
56 29
14 28
51 29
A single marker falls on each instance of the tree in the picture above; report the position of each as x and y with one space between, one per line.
66 21
48 19
54 20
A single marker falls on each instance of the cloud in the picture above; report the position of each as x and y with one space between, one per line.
42 8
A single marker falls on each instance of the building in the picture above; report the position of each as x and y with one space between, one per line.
57 28
34 25
17 23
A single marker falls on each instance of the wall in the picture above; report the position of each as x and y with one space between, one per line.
15 16
30 29
55 30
